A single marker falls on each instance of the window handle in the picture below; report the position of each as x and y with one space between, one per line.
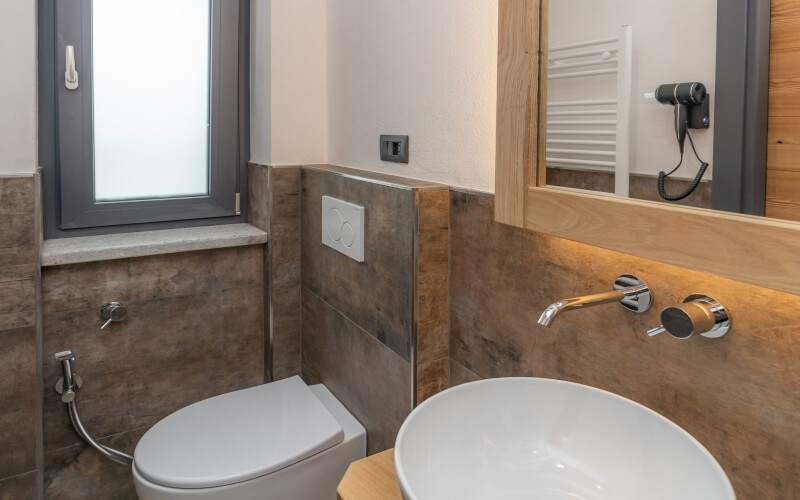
70 75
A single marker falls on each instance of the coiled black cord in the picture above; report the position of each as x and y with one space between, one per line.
696 182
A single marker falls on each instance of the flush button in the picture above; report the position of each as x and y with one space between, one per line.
343 227
335 223
348 235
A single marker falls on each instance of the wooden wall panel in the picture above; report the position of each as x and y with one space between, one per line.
783 161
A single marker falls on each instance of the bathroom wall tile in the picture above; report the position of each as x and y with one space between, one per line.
15 320
18 402
372 381
287 332
17 303
372 177
581 179
286 225
22 487
737 395
285 275
460 375
16 195
16 230
79 472
17 296
258 196
432 252
401 287
432 378
17 338
168 353
79 286
431 306
377 294
642 187
17 263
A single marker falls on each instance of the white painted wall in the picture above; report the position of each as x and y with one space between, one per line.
289 105
421 68
260 82
673 42
18 132
330 76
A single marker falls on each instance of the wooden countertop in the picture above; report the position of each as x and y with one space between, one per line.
370 478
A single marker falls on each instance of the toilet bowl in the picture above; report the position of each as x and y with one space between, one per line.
283 440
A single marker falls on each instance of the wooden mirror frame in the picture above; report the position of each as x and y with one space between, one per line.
757 250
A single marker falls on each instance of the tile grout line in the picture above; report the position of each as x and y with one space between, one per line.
358 327
98 439
153 299
33 471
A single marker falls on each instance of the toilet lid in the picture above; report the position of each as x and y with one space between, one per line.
237 436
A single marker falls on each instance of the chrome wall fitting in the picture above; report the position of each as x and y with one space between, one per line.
638 297
77 384
112 311
699 314
67 385
630 291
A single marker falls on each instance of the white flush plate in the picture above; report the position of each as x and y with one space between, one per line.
343 227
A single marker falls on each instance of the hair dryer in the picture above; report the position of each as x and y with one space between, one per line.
683 96
691 111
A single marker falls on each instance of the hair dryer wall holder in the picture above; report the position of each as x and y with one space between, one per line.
699 116
690 101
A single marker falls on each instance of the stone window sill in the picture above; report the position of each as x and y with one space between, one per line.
122 246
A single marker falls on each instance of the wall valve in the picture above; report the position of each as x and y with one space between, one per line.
699 314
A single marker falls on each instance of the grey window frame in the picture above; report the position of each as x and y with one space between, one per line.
65 117
742 106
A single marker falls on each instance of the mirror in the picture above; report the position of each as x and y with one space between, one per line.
631 104
757 250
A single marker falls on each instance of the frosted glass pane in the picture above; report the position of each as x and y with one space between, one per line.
151 73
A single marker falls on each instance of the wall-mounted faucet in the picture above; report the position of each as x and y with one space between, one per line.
630 291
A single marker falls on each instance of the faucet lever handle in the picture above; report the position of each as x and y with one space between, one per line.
112 312
699 314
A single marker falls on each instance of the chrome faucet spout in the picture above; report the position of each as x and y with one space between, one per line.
631 292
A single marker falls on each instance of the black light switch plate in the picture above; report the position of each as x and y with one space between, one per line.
394 148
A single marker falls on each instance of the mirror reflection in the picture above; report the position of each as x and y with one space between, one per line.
630 98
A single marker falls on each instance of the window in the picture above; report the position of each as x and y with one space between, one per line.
148 111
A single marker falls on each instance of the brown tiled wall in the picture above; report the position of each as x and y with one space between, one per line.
275 208
431 304
18 276
195 329
642 187
737 395
359 318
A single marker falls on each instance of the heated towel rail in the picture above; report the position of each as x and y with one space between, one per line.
592 133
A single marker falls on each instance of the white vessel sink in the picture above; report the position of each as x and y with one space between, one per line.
530 438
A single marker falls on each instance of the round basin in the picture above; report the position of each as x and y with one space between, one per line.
531 438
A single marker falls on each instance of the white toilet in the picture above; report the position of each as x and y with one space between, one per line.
283 440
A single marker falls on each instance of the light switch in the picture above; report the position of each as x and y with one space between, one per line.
343 227
394 148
